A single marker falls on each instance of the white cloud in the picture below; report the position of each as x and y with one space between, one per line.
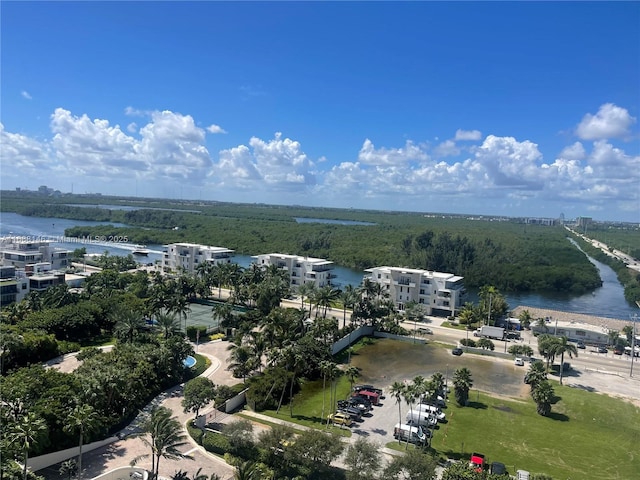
26 95
468 135
447 148
278 164
611 121
132 127
22 153
508 162
134 112
371 156
574 152
215 129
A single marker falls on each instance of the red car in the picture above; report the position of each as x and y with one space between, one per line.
477 462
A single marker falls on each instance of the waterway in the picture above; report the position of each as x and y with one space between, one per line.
607 301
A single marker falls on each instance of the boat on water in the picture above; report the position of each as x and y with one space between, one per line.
140 250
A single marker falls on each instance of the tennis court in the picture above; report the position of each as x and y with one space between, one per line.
202 314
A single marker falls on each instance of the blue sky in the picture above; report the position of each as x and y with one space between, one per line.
519 109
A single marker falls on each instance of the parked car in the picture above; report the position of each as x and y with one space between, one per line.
370 388
581 345
362 402
519 362
498 468
340 418
457 351
354 413
602 350
476 462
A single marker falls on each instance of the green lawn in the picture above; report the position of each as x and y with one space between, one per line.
307 406
588 435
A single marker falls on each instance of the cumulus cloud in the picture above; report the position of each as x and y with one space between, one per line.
279 164
171 146
26 95
468 135
24 154
611 121
383 156
574 152
215 129
510 163
132 127
446 149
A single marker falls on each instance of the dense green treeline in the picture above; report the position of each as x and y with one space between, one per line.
512 256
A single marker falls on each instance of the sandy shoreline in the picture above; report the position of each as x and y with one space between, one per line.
569 317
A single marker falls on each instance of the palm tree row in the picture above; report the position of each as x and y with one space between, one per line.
550 346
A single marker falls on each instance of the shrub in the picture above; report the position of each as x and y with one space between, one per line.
195 432
216 336
192 332
88 353
468 342
216 443
65 347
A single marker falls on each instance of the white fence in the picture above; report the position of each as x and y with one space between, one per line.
44 461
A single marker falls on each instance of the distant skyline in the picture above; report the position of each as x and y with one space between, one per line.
497 108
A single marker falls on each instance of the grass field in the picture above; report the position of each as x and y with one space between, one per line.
587 436
307 406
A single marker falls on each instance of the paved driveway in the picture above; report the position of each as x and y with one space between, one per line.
122 452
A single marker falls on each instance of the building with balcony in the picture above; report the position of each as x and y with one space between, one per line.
14 285
188 256
440 293
316 271
20 252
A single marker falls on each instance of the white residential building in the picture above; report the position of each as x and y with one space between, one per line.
440 293
317 271
20 252
187 256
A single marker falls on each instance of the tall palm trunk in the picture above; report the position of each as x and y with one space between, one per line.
324 393
80 457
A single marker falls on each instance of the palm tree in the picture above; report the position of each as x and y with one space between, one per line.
525 319
487 293
178 304
547 347
333 374
28 434
304 290
83 419
462 383
325 367
536 375
247 470
397 390
561 347
543 396
165 437
353 373
128 324
168 324
348 297
326 296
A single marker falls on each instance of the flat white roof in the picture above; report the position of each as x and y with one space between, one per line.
300 258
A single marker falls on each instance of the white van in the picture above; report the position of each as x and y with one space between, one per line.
424 419
408 433
430 409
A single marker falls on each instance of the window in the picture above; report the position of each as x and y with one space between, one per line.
422 291
400 289
379 276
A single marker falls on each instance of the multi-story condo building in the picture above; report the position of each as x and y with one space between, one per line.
187 256
19 252
440 293
14 285
317 271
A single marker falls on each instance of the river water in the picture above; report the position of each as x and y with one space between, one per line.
607 301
